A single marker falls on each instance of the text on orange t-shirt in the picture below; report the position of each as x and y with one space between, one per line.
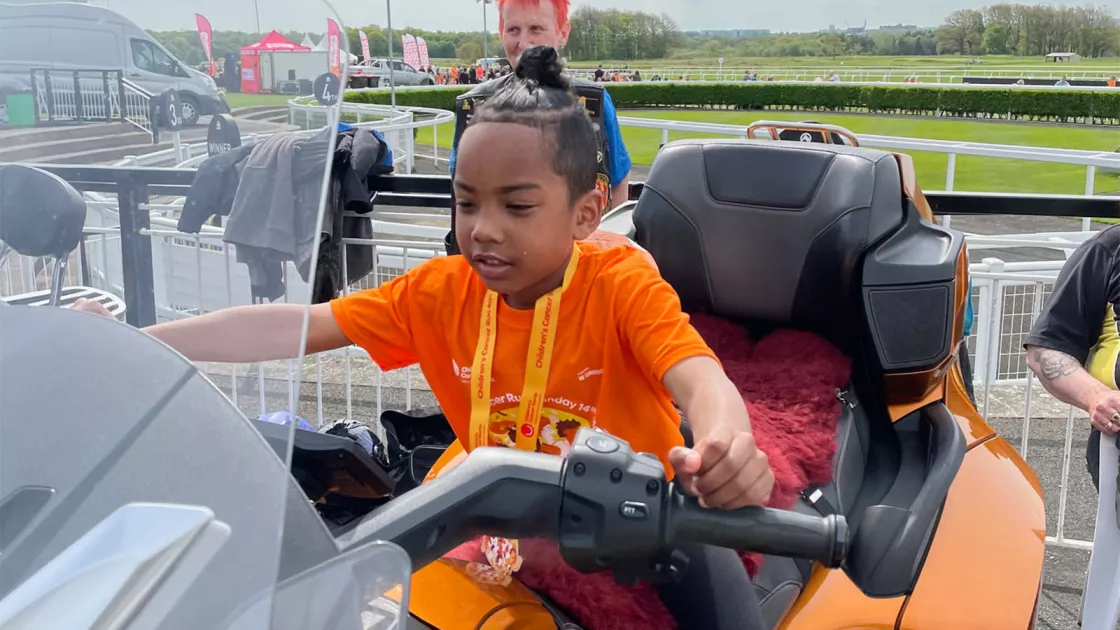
620 329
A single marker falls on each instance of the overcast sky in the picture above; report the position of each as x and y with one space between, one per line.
461 15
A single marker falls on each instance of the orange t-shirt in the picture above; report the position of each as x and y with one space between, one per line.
620 330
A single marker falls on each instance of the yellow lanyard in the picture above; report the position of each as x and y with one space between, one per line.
546 312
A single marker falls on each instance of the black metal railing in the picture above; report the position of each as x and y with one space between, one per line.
72 97
434 191
134 187
77 96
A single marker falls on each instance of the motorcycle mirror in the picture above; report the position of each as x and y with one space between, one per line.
40 214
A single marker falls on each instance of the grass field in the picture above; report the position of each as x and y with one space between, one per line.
972 173
237 100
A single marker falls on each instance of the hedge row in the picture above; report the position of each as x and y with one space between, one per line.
1090 107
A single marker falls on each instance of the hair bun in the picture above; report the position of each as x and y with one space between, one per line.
542 65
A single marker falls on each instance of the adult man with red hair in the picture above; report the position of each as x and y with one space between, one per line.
527 23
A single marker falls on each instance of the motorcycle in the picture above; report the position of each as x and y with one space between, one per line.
926 485
214 532
134 493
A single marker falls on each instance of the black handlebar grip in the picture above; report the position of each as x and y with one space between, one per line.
762 530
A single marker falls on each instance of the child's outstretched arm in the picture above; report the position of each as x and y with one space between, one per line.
725 468
249 334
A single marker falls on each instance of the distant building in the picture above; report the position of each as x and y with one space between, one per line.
906 28
738 33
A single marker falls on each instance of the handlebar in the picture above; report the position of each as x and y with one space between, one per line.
608 507
768 531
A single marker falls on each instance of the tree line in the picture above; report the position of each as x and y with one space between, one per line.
601 34
623 35
1030 30
1003 29
883 42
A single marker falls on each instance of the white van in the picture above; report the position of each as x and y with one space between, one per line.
72 36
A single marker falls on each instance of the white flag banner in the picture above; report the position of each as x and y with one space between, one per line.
422 45
411 51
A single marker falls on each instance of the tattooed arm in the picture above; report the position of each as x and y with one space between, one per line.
1063 376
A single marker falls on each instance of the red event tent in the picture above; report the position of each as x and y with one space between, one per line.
250 59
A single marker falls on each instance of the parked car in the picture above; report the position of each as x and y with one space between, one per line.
375 72
501 62
64 36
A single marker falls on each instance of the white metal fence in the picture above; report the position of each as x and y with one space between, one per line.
198 273
397 126
889 74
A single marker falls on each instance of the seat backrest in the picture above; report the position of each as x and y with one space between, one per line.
41 214
769 231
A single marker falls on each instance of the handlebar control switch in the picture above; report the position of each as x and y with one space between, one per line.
613 510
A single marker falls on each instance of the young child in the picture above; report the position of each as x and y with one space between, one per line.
528 334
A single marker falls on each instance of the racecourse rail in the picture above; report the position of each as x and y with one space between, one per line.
1007 295
888 74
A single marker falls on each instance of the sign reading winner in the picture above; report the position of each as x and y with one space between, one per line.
223 135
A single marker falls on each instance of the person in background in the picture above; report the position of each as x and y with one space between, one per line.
599 73
1064 82
1075 342
1112 82
524 24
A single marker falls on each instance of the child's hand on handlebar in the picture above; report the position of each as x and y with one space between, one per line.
91 306
725 470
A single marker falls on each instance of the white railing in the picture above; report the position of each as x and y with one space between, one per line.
891 74
198 273
80 96
397 126
137 108
1092 161
404 122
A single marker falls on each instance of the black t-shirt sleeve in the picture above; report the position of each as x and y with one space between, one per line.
1071 319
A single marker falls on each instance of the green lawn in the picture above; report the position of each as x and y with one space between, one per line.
972 173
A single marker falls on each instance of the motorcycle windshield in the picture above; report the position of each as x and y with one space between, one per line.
151 178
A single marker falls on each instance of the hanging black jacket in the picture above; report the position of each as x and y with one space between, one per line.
270 192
